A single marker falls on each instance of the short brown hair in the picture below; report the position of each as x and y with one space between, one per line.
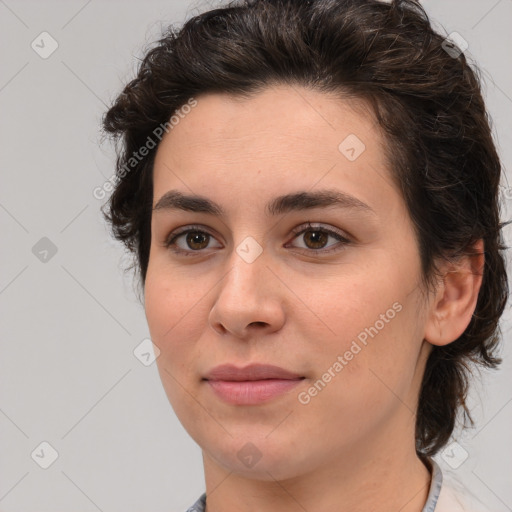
428 104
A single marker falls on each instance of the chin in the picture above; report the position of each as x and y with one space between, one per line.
257 458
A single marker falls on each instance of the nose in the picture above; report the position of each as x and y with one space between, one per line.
249 300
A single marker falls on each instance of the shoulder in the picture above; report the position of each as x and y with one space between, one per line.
454 497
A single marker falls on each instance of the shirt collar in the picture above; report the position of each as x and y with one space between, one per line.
436 483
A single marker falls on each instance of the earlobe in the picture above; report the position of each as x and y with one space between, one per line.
456 297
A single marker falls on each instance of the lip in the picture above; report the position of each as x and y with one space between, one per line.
255 371
252 384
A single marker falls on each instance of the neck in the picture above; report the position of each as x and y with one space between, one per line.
356 480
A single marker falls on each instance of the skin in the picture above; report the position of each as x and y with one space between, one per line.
351 448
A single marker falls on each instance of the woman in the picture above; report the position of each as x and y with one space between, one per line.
310 189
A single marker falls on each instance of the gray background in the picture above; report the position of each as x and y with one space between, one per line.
69 324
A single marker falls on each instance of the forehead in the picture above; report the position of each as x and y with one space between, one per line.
288 112
279 138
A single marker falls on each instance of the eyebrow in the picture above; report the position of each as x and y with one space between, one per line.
176 200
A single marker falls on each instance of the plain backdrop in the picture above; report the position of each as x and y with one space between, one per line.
70 320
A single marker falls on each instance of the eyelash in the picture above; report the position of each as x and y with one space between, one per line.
170 242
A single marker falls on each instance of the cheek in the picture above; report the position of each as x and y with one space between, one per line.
168 303
358 387
357 305
370 343
172 313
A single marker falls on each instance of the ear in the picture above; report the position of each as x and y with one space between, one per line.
456 297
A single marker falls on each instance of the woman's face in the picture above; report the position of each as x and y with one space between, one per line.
337 304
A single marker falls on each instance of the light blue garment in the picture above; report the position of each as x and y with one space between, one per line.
430 505
199 505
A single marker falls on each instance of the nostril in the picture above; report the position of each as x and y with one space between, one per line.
263 324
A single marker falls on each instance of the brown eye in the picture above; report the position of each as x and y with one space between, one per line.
189 241
315 238
197 240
